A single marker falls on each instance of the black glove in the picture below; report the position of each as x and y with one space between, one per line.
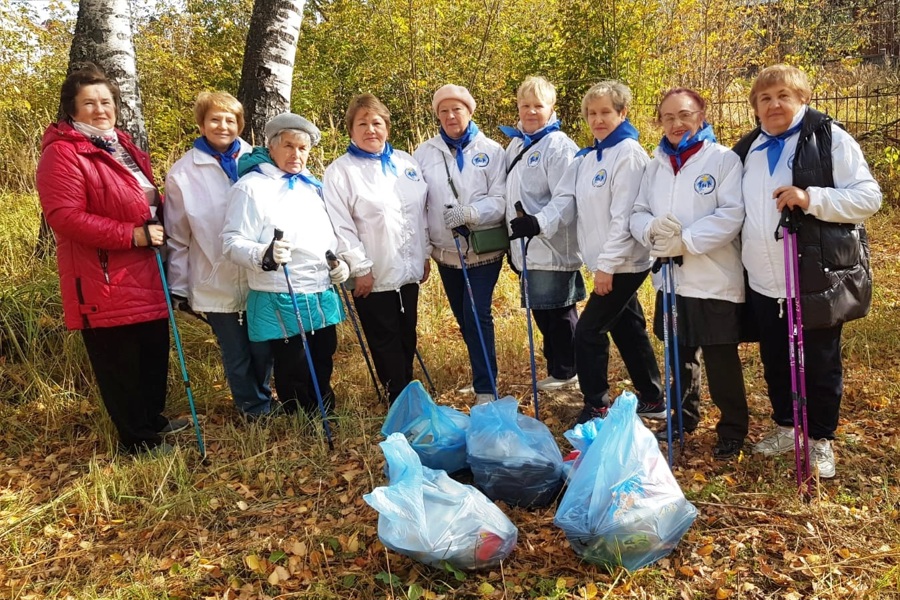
525 226
181 303
268 261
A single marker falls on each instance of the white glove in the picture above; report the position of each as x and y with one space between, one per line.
664 247
458 215
340 273
665 227
281 251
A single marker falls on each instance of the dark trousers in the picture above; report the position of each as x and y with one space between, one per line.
131 364
292 377
620 315
389 322
822 363
557 325
248 365
483 278
725 379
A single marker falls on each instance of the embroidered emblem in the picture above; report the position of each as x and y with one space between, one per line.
411 174
599 178
481 160
534 158
705 184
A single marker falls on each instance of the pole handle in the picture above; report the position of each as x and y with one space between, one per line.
331 259
279 234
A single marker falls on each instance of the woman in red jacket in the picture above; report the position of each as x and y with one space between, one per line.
97 193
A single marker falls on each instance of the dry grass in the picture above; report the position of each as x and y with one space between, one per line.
274 514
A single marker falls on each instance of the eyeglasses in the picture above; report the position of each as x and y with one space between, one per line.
682 116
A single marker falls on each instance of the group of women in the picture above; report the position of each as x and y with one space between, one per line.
259 245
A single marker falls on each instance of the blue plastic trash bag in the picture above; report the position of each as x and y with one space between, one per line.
580 436
623 506
513 457
436 433
426 515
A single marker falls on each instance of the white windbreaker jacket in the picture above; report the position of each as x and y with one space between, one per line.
604 193
532 182
196 197
855 197
261 202
379 218
705 196
481 185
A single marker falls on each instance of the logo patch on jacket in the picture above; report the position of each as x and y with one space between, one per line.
534 158
705 184
411 174
599 179
481 160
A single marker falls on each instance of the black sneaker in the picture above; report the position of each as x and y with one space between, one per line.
591 412
175 425
655 411
727 449
661 435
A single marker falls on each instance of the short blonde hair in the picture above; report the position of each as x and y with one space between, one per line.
366 102
786 75
540 88
617 92
207 101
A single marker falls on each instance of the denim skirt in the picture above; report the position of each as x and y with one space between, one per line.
552 289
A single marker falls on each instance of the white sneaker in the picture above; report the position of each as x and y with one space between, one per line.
823 457
552 383
483 398
777 441
469 389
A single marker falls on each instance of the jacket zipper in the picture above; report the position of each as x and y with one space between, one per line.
103 255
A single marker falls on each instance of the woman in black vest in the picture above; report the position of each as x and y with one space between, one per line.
798 159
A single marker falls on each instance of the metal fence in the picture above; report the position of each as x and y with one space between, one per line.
865 112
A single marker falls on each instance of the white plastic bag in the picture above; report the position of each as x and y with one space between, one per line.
427 516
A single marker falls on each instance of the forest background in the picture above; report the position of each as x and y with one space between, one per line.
274 515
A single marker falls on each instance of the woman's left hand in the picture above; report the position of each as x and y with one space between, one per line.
427 271
790 196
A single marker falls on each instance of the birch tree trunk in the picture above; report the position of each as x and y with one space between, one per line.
268 69
103 35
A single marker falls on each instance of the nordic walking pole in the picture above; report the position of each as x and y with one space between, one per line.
792 292
801 367
427 375
673 306
332 262
309 361
520 212
666 347
465 271
178 347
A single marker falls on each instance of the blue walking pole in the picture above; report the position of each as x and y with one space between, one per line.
332 262
487 360
309 361
180 350
425 372
666 347
673 306
524 248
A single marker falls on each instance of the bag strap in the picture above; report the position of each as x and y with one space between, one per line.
449 179
519 157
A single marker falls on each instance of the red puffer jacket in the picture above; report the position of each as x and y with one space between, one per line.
93 203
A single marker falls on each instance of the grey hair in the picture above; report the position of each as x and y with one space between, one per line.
303 135
616 91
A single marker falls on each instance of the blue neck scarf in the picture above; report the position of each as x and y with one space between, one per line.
384 156
530 138
625 131
775 145
458 144
704 134
227 160
309 180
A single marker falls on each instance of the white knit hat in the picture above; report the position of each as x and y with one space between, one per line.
454 92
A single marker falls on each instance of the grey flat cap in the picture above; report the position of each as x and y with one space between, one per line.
291 121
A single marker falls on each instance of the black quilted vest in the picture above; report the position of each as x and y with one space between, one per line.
835 276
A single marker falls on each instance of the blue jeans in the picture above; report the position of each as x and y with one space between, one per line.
483 278
248 365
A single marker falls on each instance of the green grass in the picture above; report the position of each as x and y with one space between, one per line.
77 521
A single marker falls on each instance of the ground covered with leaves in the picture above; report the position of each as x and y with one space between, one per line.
274 514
